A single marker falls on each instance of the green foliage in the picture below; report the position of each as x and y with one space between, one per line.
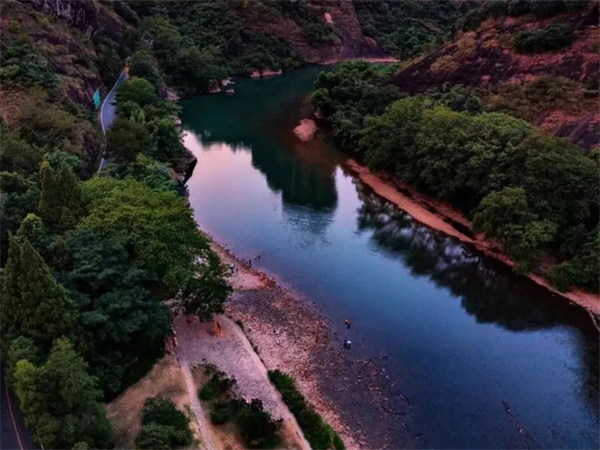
319 434
22 65
119 320
405 28
19 196
154 437
457 98
142 65
146 170
257 427
17 155
554 37
500 8
163 236
164 426
208 40
61 203
34 305
60 400
218 385
528 190
222 412
32 228
126 139
530 100
21 348
137 90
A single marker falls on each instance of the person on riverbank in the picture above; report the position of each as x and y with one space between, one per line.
347 343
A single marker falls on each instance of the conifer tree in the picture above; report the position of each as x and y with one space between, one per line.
61 401
34 305
49 207
32 228
61 200
69 189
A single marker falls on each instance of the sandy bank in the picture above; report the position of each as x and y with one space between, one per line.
441 216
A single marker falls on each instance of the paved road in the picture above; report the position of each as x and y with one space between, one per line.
13 433
108 110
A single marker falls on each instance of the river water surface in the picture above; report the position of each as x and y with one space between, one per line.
484 358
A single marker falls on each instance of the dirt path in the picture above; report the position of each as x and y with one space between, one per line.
203 426
231 352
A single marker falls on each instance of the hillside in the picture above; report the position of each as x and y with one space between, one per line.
556 89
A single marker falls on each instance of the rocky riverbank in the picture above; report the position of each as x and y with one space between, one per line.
289 333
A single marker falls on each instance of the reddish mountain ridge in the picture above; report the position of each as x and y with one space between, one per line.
486 59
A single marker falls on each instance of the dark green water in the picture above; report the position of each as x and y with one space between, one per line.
486 359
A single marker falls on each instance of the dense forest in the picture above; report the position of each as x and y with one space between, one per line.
534 193
88 261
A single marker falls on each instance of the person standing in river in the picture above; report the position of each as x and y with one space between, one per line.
347 322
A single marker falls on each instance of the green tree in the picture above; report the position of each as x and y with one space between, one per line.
127 138
60 400
34 305
161 232
19 196
195 68
142 65
138 90
119 320
61 204
21 348
32 228
50 206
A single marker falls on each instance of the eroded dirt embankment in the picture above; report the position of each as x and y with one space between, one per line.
441 216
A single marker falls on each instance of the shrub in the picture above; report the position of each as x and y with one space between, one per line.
165 427
257 427
319 434
554 37
223 411
218 385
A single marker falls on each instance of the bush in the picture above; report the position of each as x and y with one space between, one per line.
554 37
218 385
320 435
165 427
163 411
223 411
257 427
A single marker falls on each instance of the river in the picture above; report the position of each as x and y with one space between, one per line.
484 358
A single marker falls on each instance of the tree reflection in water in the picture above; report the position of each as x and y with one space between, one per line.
487 289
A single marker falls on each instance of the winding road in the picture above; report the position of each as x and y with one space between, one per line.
108 110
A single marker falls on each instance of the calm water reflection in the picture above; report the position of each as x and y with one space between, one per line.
485 358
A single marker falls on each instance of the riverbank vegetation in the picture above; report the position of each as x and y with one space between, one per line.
318 433
256 426
534 193
89 259
163 426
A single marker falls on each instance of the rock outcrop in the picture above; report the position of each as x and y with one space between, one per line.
487 57
88 16
341 17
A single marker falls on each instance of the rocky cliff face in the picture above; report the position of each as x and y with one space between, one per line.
486 57
88 16
341 17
